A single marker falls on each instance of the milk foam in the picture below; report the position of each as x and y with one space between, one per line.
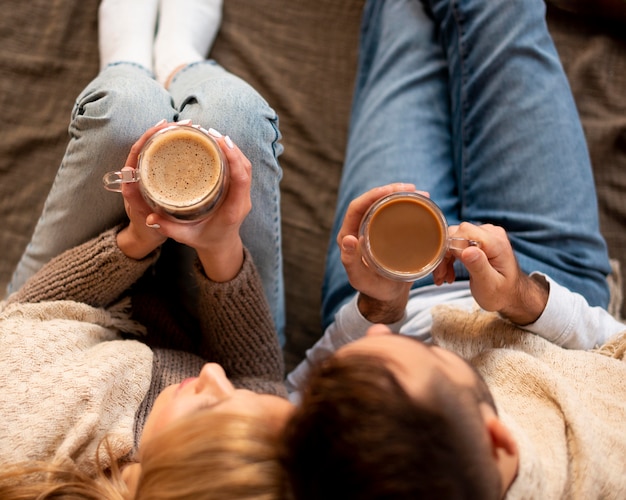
180 168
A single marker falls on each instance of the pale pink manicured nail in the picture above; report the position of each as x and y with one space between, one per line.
214 133
160 122
229 142
184 122
154 226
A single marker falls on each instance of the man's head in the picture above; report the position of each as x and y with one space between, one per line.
390 417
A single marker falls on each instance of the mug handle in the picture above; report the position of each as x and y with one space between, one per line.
113 180
459 244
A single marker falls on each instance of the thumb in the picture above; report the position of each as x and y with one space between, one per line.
130 190
477 264
350 255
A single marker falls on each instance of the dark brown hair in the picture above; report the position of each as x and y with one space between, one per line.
357 434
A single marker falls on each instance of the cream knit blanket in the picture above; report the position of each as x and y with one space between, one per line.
69 381
566 408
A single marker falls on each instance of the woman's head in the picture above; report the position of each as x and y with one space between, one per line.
388 417
206 429
212 456
203 439
201 456
213 391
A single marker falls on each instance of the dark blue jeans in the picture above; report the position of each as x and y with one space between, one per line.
468 100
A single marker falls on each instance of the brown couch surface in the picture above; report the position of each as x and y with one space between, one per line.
301 56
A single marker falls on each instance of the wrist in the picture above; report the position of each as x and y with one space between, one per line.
224 263
135 247
382 311
532 300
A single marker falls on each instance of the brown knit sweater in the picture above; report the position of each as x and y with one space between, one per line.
235 328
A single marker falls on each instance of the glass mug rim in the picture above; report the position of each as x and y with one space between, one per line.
365 244
192 211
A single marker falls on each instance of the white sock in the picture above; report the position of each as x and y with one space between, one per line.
186 31
126 31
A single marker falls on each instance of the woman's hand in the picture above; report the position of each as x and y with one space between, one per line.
381 300
216 238
138 240
496 280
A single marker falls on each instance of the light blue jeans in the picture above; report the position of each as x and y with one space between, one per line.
468 100
111 113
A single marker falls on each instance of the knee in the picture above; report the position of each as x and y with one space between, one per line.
233 107
121 108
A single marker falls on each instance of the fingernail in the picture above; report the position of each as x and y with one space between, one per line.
184 122
154 226
214 133
160 122
229 142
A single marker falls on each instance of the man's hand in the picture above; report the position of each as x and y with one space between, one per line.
496 280
381 300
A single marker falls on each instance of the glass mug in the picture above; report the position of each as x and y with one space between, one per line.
181 171
404 236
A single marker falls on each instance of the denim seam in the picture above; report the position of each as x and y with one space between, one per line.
462 53
190 66
131 63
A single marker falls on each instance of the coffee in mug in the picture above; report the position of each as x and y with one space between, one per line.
181 171
404 236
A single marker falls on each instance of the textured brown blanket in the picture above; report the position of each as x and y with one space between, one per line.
301 55
564 407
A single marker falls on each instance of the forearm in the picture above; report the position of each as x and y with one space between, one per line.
95 273
238 331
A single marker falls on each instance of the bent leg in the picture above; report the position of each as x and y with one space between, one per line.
109 115
400 122
210 96
520 153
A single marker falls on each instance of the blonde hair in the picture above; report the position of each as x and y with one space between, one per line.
220 457
47 481
204 456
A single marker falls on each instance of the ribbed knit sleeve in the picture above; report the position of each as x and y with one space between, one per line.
94 273
238 331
